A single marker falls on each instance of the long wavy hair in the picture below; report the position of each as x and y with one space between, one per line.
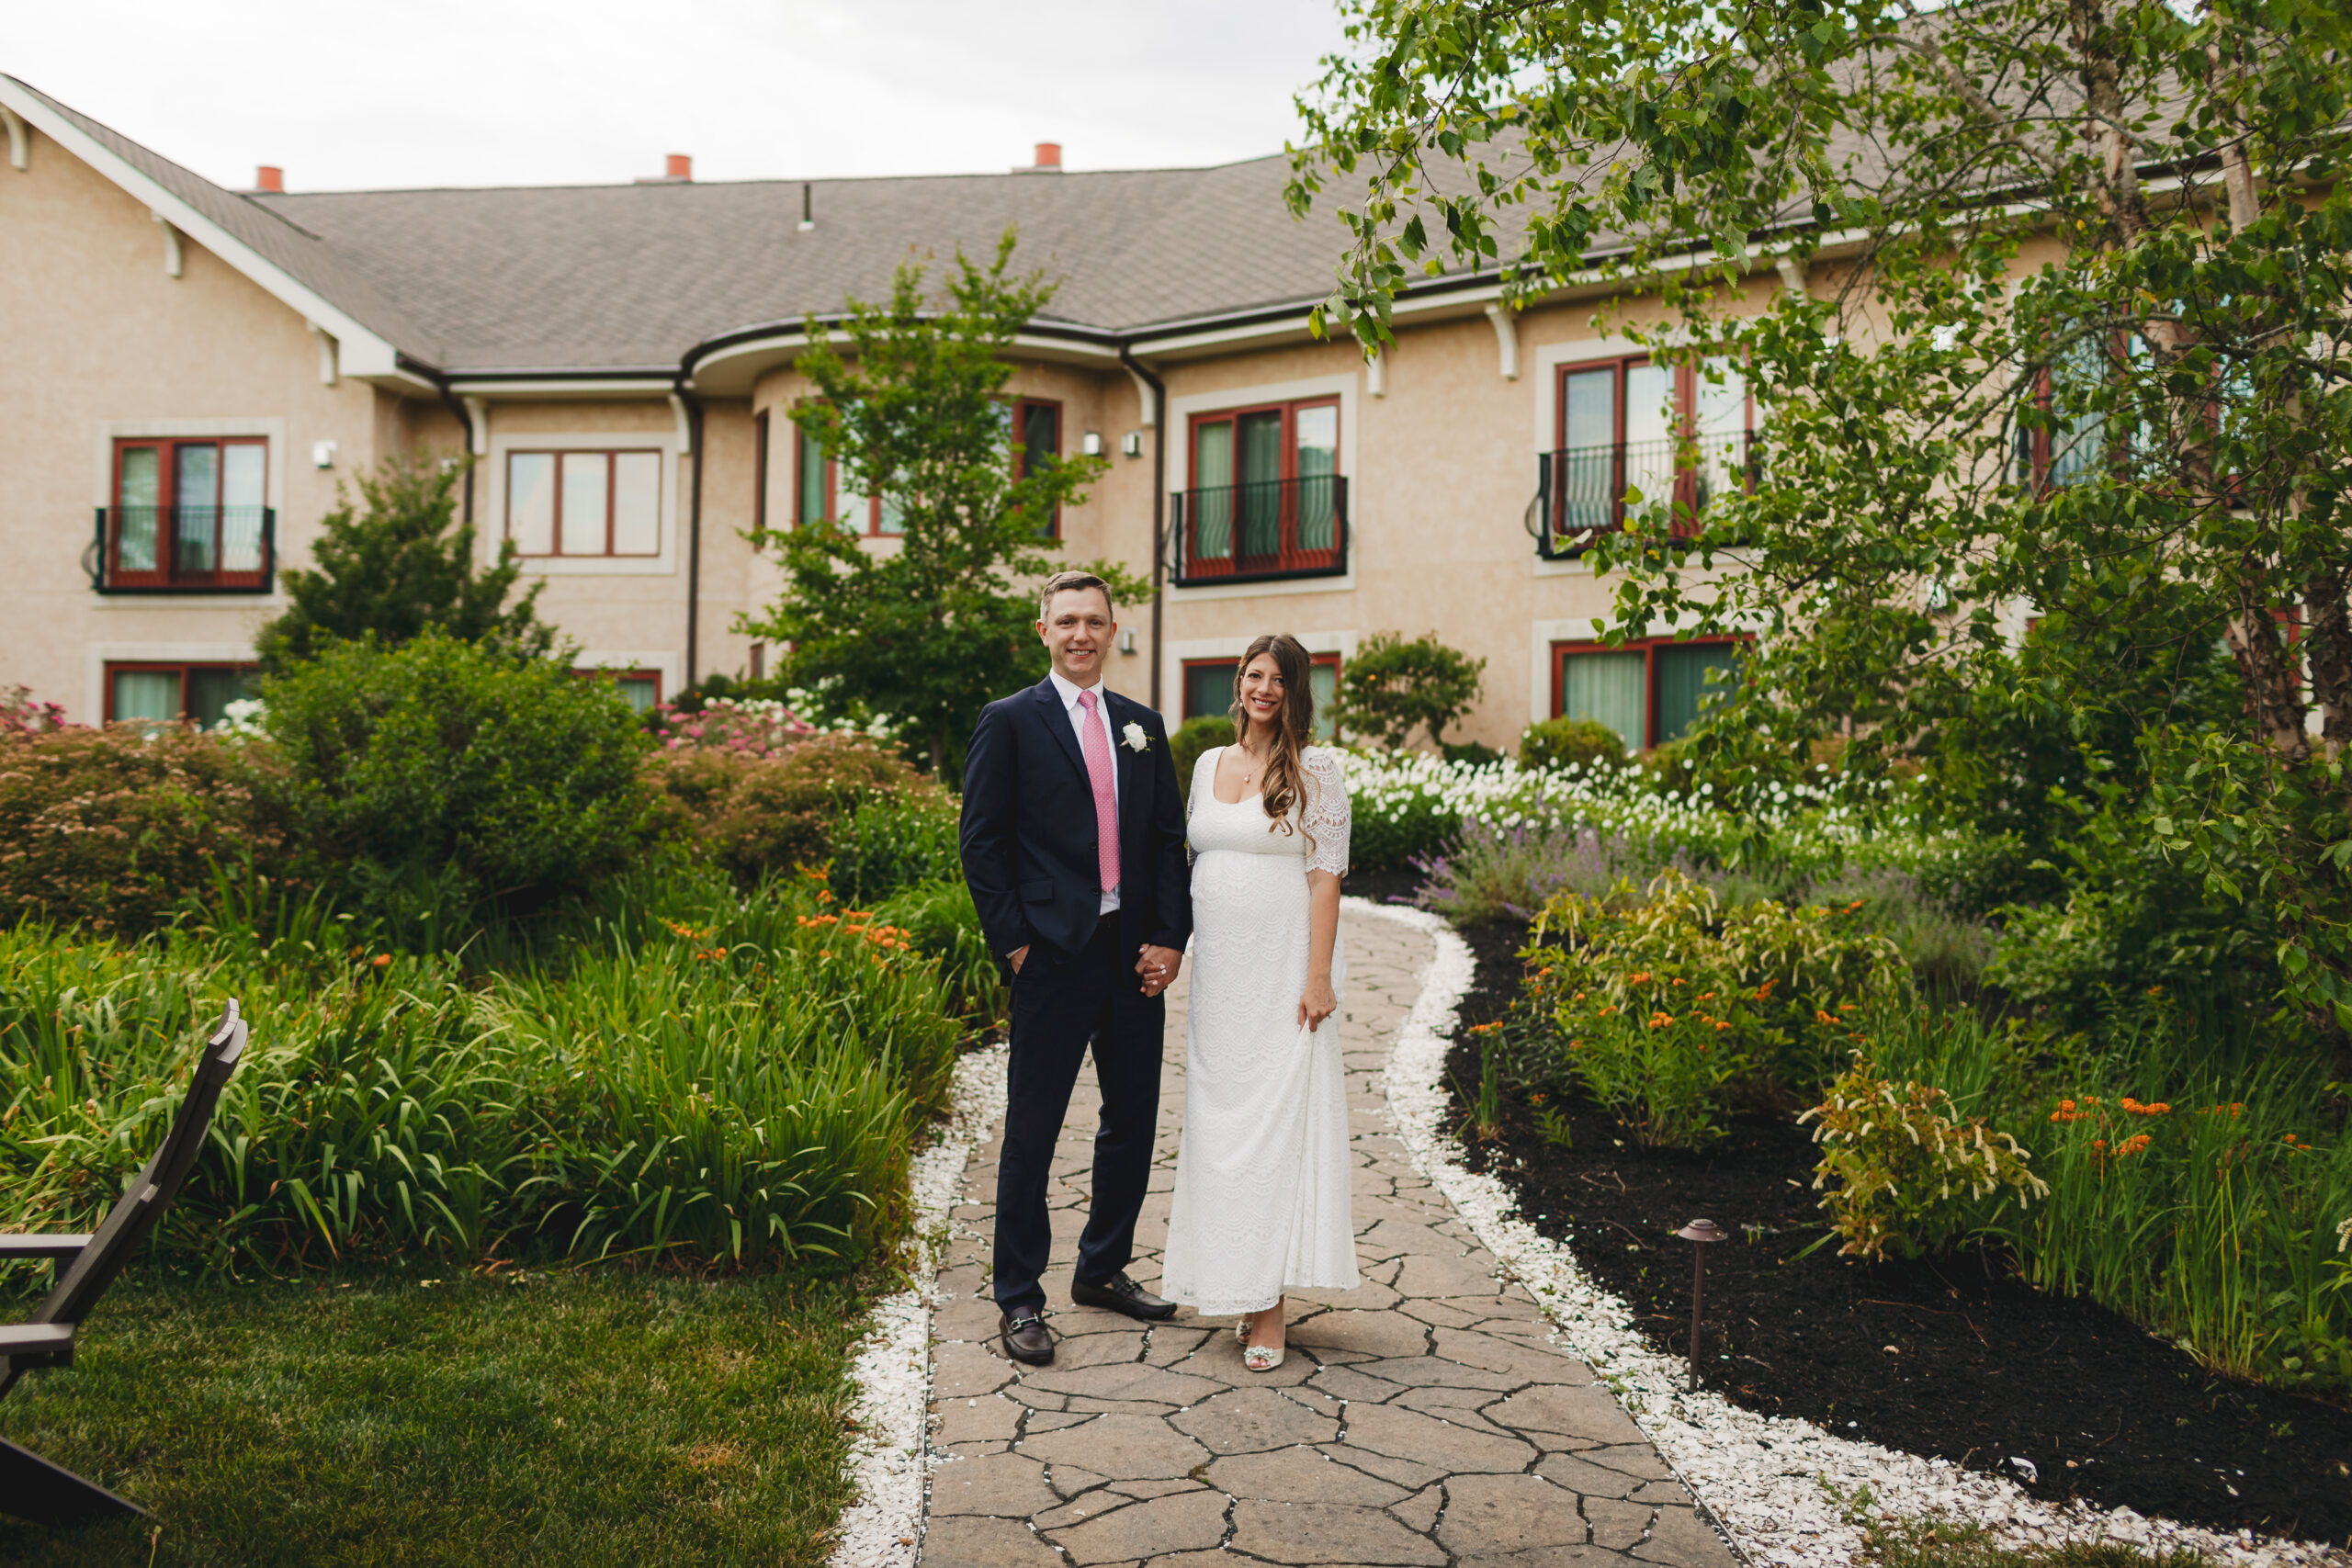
1294 725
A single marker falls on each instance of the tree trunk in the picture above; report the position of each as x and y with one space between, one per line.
2327 646
2274 694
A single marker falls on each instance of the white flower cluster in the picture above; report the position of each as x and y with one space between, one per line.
1624 798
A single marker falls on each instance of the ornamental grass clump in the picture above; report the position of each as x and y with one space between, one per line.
1910 1175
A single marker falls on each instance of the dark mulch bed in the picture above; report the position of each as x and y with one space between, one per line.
1951 1357
1384 887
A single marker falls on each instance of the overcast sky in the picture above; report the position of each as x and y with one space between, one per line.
397 93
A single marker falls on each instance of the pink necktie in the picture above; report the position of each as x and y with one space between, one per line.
1106 801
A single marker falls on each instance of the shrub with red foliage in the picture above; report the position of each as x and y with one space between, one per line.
110 828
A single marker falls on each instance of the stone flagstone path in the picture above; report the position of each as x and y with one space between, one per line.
1422 1420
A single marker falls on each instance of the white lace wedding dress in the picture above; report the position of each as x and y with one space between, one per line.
1262 1173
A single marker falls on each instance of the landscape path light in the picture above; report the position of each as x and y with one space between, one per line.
1699 1232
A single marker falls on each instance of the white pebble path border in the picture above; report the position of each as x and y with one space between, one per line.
1768 1480
883 1528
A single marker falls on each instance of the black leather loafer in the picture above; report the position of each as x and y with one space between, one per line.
1119 1294
1026 1338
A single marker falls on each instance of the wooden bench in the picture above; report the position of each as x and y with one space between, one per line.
31 1487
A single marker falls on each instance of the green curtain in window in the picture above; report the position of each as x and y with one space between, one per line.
1687 673
1586 470
146 693
812 496
1208 690
195 508
1318 440
1608 687
1261 439
1211 498
209 693
142 494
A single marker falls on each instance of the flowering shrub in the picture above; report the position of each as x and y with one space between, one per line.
756 728
1410 803
765 815
22 713
113 826
1907 1170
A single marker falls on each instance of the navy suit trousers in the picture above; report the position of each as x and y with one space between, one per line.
1061 1005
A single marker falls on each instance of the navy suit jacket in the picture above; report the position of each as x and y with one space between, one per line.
1028 836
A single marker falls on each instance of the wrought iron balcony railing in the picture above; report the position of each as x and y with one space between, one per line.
1263 530
1584 490
183 549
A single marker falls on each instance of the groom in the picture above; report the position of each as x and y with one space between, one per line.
1073 843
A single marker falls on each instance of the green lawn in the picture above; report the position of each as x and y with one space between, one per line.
592 1418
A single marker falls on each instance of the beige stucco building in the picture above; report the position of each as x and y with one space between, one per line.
197 370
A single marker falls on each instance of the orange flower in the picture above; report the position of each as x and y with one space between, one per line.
1720 1026
1821 1017
1660 1020
1638 978
1704 997
380 960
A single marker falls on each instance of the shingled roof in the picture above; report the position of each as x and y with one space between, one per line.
629 277
632 277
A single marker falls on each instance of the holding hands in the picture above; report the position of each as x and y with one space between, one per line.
1158 966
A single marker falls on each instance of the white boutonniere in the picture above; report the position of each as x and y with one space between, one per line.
1136 739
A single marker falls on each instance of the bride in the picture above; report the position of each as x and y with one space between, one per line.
1262 1172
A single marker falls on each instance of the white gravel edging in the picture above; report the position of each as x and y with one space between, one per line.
1767 1479
884 1527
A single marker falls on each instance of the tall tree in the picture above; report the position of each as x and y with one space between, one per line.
2068 351
395 565
913 409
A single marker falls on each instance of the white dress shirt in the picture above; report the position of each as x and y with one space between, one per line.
1068 691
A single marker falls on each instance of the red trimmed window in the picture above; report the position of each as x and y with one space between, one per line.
1037 438
162 692
1647 690
1264 497
190 514
1619 429
817 497
584 505
1208 689
641 687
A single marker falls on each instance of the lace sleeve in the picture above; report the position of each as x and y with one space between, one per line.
1325 814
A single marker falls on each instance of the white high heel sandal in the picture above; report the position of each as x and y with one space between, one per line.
1257 1358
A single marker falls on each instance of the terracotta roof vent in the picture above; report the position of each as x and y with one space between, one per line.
269 180
1049 159
677 169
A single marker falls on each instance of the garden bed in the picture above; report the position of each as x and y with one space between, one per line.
1981 1369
